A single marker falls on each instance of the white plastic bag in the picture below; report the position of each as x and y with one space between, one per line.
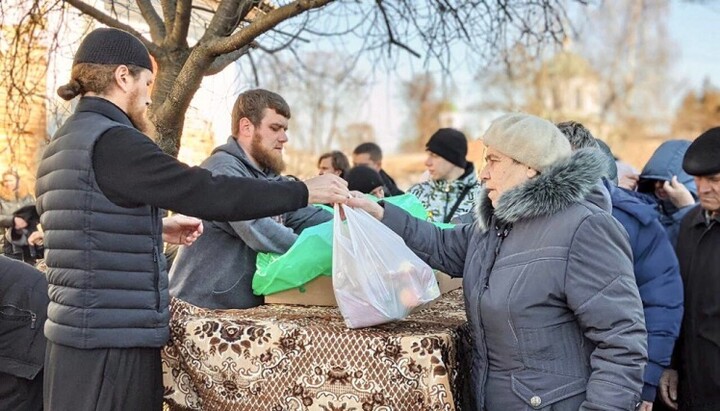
376 277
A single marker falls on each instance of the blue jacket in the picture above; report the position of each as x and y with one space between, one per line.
665 163
657 274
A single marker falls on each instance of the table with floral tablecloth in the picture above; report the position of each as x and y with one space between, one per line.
283 357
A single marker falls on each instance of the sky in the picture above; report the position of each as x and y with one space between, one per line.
693 28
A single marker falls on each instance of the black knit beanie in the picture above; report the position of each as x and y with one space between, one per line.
363 179
449 144
112 46
702 158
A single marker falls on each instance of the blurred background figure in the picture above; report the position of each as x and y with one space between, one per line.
333 162
627 175
370 154
365 180
667 186
21 240
453 185
14 195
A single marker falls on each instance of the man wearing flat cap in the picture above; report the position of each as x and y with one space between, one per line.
100 187
693 383
453 186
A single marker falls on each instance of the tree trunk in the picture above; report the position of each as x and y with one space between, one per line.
169 124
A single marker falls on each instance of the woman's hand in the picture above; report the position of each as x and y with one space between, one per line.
358 200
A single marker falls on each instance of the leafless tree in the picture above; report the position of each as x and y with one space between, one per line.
190 39
613 76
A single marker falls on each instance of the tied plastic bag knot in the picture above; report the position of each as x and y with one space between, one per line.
376 277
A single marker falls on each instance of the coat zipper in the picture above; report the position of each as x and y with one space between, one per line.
33 316
501 237
156 259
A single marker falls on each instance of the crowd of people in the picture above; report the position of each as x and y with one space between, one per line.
588 285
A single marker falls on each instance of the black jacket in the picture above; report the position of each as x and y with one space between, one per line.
23 310
389 184
697 352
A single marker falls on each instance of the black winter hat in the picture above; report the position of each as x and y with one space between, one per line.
112 46
449 144
702 158
363 179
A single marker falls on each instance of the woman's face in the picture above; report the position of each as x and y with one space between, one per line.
501 173
10 182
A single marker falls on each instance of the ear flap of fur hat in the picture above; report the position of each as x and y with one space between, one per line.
528 139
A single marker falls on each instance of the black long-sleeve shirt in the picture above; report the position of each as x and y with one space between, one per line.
131 170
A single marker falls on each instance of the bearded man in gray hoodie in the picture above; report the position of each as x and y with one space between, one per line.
217 270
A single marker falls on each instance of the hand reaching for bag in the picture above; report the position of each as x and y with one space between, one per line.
327 189
358 200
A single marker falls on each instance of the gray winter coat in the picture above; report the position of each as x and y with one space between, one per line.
550 294
217 270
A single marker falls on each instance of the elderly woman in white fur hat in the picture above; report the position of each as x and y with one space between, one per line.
547 274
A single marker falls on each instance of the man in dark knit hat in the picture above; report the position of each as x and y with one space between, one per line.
693 383
453 186
100 187
365 180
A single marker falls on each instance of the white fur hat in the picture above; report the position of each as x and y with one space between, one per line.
530 140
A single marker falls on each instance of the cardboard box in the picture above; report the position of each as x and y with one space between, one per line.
320 291
317 292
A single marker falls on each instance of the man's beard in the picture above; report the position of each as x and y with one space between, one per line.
138 116
266 158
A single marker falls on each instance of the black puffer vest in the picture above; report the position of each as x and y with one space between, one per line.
107 277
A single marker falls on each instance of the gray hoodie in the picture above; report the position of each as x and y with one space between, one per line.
217 270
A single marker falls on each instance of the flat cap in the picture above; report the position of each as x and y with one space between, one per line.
703 156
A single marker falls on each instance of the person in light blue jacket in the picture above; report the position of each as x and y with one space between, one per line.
664 184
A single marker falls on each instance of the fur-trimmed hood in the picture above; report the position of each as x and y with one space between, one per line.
561 185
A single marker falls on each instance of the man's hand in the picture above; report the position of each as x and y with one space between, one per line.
679 195
181 230
326 189
668 387
36 238
19 223
645 406
359 200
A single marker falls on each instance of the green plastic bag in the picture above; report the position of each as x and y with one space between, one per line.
311 254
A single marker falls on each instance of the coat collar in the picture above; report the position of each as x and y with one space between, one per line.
561 185
104 107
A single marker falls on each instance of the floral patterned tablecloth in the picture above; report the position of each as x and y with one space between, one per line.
281 357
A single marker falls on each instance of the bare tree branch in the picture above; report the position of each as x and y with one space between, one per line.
112 22
226 19
178 36
261 25
226 59
168 8
157 27
391 35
